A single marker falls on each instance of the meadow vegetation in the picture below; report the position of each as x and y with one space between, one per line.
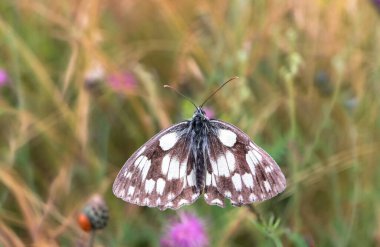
82 88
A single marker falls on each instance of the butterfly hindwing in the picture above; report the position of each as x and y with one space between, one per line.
158 172
238 169
189 192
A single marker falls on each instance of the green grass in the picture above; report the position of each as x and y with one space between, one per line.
308 93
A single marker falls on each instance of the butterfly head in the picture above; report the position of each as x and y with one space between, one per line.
199 120
200 114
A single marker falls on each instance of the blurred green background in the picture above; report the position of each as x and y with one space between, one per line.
82 89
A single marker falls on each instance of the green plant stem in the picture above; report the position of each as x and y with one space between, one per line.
91 241
256 213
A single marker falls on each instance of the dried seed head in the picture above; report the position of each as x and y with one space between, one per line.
94 215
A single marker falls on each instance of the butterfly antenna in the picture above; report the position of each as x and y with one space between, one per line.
220 87
175 90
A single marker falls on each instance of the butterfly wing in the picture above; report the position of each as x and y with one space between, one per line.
160 173
238 169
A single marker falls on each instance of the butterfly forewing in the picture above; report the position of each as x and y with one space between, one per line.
239 169
157 172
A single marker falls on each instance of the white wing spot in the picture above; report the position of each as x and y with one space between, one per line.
142 149
170 196
182 202
208 178
127 174
182 169
139 162
236 180
227 194
257 155
191 178
206 195
247 180
165 164
217 201
143 165
268 169
252 197
230 161
251 162
214 167
194 196
131 190
222 166
267 186
213 180
225 165
173 171
121 193
227 137
160 186
145 169
254 158
168 141
158 202
149 185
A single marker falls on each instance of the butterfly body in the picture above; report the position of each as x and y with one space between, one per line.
194 157
199 126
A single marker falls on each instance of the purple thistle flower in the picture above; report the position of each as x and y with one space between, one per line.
189 231
376 3
209 112
122 81
4 79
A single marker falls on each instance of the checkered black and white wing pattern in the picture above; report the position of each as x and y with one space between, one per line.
160 173
238 169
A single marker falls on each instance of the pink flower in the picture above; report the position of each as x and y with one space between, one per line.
122 81
376 2
189 231
209 112
4 79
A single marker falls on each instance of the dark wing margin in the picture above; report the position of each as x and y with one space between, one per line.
238 169
159 171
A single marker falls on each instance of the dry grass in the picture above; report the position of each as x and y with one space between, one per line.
308 93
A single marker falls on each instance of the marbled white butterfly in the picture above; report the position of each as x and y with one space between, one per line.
199 156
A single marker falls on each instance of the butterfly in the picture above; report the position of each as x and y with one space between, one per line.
199 156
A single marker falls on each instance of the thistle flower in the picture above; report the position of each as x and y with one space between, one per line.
189 231
94 215
122 81
376 3
209 112
4 79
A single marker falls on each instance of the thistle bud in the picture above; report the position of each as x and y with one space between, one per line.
94 215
